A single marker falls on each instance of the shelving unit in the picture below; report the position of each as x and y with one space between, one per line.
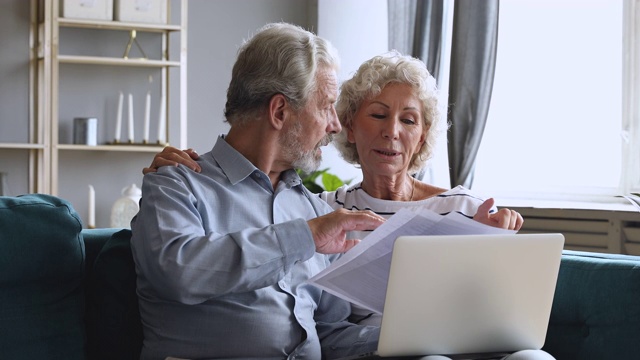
47 143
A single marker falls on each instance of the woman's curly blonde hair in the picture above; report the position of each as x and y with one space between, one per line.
369 81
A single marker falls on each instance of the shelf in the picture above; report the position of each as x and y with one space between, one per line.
98 60
116 25
21 146
69 56
152 148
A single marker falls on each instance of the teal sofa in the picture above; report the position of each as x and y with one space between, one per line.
69 293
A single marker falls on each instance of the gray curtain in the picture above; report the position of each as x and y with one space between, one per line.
415 28
427 41
473 60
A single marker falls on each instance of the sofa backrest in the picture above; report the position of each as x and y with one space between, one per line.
596 308
42 264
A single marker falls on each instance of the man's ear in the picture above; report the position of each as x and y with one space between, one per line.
278 111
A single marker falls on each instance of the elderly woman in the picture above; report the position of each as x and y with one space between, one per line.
389 112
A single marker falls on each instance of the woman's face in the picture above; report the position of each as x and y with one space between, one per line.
388 130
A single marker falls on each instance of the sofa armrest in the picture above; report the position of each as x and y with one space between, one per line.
596 307
41 273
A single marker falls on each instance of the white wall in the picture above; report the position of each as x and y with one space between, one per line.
216 30
359 30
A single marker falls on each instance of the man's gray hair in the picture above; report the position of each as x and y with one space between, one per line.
282 59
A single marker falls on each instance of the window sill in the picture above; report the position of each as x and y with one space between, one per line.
609 203
606 224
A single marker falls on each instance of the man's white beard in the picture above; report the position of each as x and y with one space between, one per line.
308 160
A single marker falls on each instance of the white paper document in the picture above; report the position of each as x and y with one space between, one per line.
360 275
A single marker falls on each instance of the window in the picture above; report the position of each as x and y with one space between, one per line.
556 122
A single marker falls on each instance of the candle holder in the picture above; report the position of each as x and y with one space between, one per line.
132 40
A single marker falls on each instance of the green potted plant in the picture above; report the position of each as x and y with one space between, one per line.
327 181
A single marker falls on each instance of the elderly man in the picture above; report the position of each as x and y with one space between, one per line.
223 255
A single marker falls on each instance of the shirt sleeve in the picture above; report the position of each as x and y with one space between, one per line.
338 337
184 263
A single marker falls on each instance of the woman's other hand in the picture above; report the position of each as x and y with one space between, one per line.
504 218
171 156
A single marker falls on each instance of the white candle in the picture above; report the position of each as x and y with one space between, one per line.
161 122
119 119
91 221
147 109
130 118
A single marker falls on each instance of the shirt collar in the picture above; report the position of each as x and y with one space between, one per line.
237 167
232 163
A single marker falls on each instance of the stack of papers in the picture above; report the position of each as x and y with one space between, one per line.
360 275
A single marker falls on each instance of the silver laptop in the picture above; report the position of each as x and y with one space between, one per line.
469 294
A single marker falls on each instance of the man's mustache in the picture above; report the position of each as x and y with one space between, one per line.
326 140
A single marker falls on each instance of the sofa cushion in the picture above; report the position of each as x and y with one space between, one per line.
114 329
41 273
596 307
